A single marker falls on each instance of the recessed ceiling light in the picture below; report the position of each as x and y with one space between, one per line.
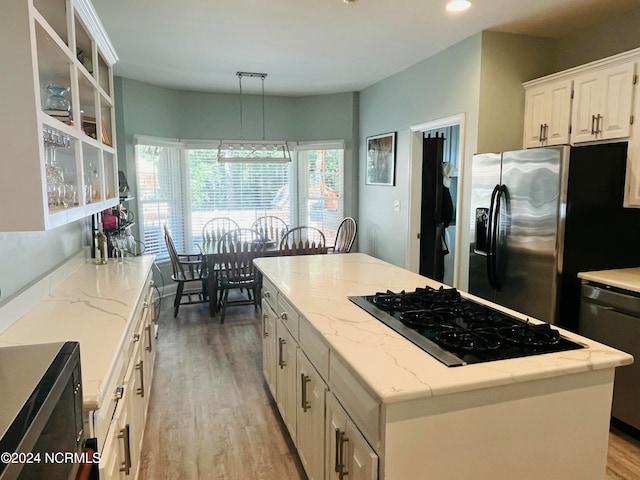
349 1
458 5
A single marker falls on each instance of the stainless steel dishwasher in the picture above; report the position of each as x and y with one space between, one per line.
612 316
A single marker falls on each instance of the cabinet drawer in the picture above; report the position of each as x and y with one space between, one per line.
314 348
269 293
361 406
288 315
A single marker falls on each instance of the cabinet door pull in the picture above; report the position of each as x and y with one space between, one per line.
283 315
598 128
336 467
593 124
281 361
149 346
540 134
304 404
124 435
343 473
546 132
139 367
265 334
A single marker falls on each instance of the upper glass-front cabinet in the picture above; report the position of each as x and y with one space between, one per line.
58 158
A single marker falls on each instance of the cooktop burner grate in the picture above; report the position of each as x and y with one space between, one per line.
458 331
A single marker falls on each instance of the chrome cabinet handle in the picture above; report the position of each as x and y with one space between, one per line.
540 134
546 132
124 435
283 315
304 404
598 129
139 367
593 123
336 467
149 347
265 334
343 439
281 362
267 294
136 337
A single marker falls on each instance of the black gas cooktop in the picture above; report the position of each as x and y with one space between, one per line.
458 331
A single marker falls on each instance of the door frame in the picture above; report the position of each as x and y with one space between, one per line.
415 190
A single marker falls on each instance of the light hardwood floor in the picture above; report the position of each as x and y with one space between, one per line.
211 416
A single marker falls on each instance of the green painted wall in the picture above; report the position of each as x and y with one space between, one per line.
443 85
608 38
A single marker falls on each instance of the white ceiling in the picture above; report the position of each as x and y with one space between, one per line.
313 46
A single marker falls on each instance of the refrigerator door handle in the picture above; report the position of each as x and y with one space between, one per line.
501 191
491 237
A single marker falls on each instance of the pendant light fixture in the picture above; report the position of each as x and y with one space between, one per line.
250 151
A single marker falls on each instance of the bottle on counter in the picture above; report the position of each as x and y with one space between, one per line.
101 246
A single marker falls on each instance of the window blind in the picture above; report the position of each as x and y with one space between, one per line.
160 199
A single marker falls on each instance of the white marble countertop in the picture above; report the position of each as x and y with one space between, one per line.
93 306
624 278
390 366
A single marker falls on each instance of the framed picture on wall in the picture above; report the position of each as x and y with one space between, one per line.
381 159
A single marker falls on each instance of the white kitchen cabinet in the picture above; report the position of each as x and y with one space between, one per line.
548 114
122 448
286 377
311 394
269 346
347 454
632 178
59 160
602 103
120 455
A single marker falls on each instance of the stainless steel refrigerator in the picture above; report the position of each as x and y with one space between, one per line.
540 216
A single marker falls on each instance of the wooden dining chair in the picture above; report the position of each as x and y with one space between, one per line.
303 241
216 227
190 274
271 228
237 249
345 236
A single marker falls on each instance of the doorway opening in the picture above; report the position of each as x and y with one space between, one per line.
452 128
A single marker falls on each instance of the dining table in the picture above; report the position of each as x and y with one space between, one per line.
212 258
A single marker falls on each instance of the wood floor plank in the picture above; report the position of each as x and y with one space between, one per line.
212 417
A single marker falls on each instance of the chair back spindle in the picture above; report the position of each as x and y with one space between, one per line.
303 241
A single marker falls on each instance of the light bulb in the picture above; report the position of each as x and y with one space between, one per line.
458 5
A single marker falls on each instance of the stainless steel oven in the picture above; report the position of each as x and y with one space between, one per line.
41 412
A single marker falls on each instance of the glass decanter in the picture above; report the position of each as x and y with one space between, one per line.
56 100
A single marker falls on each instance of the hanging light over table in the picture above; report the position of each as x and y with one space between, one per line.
248 151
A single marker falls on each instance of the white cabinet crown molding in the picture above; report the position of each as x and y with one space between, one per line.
603 62
88 14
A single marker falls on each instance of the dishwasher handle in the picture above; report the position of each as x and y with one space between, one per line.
612 299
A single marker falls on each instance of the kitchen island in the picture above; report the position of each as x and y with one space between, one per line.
543 416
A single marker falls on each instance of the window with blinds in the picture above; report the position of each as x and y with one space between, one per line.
321 187
240 191
160 196
184 186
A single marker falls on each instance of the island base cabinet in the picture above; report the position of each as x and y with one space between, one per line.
286 378
551 429
347 453
310 420
269 342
